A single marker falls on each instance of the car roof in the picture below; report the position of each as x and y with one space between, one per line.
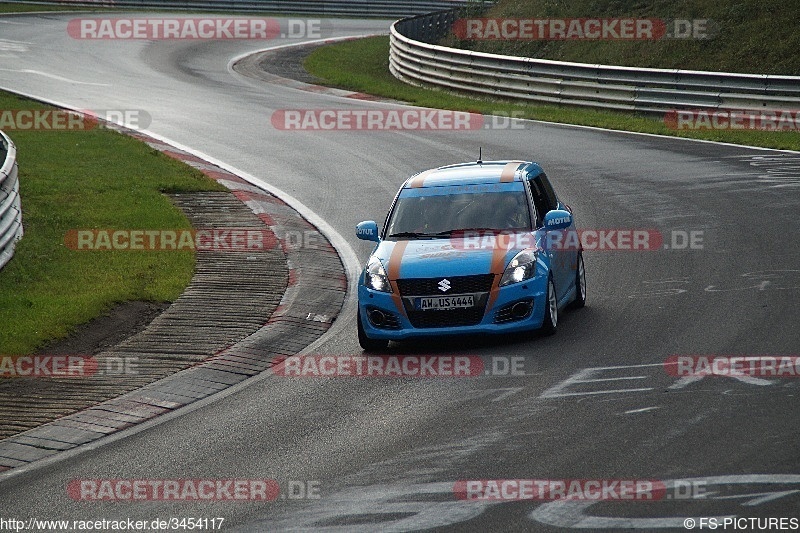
473 173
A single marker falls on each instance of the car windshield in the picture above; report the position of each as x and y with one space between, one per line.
424 213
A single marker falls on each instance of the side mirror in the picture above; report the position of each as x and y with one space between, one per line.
557 219
367 231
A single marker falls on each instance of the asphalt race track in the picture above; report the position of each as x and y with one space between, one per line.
596 401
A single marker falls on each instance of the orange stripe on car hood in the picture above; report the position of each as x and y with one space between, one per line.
497 268
393 272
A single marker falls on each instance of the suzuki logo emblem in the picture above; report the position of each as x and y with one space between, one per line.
444 285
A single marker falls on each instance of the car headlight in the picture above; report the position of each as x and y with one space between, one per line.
521 268
375 276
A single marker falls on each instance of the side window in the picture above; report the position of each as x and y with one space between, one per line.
539 200
544 197
548 191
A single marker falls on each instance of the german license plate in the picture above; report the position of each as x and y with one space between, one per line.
455 301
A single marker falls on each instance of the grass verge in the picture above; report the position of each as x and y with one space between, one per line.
363 65
81 180
749 36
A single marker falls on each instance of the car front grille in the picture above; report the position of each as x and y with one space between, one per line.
480 285
458 285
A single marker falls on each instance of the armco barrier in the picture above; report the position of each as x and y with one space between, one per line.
359 8
10 205
416 60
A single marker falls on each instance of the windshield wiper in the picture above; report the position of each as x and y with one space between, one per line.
465 230
412 235
447 233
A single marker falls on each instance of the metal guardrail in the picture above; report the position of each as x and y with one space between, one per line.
414 59
10 205
360 8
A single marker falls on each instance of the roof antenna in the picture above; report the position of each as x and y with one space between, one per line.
480 155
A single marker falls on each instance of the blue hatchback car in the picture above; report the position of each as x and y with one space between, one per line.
469 249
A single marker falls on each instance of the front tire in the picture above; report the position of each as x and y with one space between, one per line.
550 322
580 284
369 345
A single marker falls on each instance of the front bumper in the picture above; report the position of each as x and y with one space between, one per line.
398 326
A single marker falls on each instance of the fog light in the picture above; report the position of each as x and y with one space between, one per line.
377 317
520 309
